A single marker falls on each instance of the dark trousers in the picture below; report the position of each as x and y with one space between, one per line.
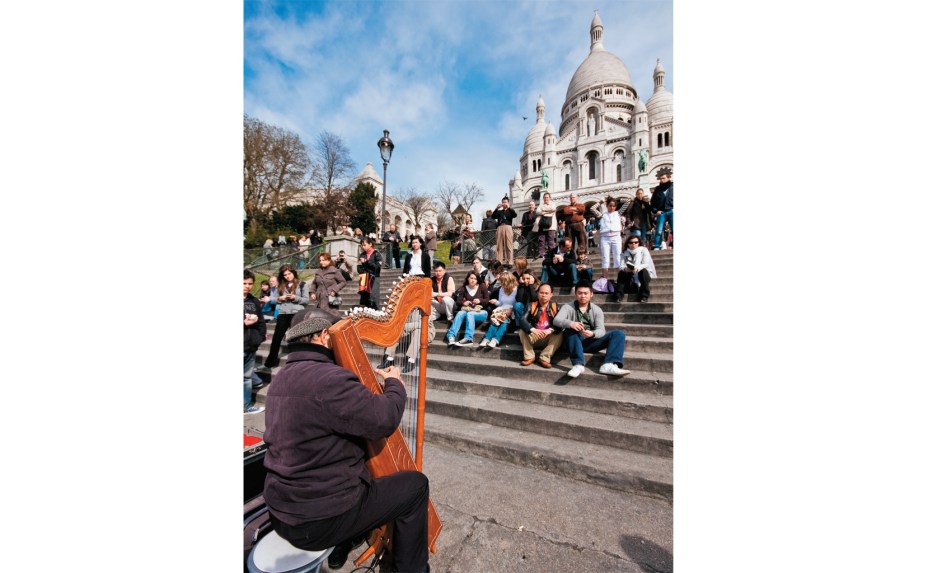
396 259
283 323
369 299
401 498
624 283
578 235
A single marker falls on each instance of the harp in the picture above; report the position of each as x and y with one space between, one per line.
365 336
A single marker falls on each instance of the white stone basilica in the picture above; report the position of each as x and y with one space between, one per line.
605 130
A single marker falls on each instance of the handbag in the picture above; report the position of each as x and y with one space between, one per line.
364 282
545 223
335 300
602 285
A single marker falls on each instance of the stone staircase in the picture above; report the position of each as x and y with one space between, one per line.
614 432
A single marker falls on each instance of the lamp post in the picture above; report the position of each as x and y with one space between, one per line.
386 150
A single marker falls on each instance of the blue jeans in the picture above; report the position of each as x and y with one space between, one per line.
548 272
496 332
249 372
518 309
472 320
659 228
613 341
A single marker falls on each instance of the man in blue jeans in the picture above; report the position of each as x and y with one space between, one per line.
560 263
584 326
255 330
662 205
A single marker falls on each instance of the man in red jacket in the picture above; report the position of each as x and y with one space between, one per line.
318 489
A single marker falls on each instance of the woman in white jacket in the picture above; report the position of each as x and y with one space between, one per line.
637 266
610 236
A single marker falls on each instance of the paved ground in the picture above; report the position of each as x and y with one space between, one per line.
503 518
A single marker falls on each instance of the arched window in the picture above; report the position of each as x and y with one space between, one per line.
618 173
567 182
660 140
593 158
667 138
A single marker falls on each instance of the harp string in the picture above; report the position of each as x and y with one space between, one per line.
405 350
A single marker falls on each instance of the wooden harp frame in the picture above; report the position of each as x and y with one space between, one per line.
387 456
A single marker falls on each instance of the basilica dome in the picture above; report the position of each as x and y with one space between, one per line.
600 66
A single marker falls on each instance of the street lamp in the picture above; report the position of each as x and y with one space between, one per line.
386 150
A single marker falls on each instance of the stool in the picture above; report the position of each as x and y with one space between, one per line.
274 554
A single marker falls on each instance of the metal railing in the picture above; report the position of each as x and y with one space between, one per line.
483 245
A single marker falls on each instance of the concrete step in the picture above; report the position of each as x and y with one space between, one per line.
642 436
464 359
609 467
445 364
511 347
616 400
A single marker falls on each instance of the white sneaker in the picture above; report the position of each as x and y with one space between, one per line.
493 343
484 342
576 371
612 369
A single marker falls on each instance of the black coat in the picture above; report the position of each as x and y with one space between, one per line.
317 420
254 334
426 263
371 265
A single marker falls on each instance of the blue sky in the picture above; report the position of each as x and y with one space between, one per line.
451 80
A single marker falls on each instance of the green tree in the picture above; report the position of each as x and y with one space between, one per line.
275 167
302 218
362 202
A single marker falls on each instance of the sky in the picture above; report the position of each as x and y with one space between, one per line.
452 81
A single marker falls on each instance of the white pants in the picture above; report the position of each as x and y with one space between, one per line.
611 245
446 307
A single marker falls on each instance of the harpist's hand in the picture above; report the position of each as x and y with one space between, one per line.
390 372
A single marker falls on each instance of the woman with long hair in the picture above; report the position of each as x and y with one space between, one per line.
292 295
636 265
369 263
471 301
326 284
504 299
526 294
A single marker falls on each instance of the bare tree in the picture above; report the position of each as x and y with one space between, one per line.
449 195
470 195
418 205
275 166
331 178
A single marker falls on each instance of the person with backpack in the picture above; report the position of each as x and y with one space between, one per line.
537 330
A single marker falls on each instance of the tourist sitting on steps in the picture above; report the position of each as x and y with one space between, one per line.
471 302
584 327
443 291
537 329
636 266
503 298
560 263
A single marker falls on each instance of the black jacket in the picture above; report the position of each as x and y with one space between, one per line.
662 198
528 220
426 264
395 244
504 216
570 258
254 334
372 265
318 418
